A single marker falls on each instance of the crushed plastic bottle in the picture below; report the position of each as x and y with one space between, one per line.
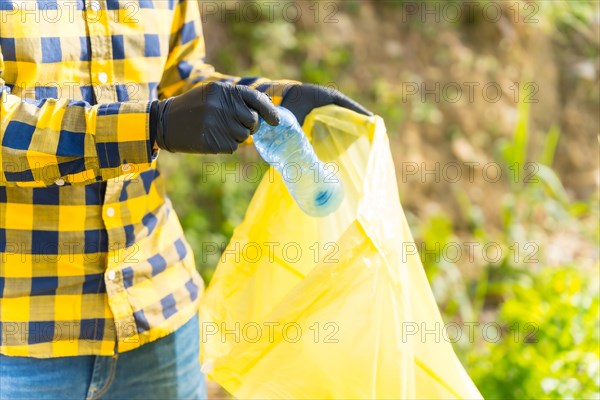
314 187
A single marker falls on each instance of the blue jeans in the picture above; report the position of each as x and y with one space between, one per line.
167 368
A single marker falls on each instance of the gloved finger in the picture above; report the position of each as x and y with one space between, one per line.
247 117
227 146
261 103
346 102
218 143
239 132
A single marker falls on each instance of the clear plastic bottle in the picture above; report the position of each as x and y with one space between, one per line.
314 187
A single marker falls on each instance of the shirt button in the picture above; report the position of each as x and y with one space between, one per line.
59 181
110 212
111 275
125 167
102 77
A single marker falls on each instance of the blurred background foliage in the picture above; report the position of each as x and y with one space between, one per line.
533 267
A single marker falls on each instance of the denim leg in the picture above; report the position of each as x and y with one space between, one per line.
45 379
103 375
167 368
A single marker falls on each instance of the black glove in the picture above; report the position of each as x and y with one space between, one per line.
213 118
301 99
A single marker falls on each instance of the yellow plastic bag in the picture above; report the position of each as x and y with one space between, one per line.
331 308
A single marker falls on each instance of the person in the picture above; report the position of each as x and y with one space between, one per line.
98 288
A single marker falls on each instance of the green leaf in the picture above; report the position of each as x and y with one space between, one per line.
521 135
550 146
552 183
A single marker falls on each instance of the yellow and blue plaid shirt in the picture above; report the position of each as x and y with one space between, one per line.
92 256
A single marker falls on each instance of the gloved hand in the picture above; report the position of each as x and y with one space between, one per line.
209 119
301 99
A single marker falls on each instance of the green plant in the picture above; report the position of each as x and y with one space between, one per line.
549 344
548 315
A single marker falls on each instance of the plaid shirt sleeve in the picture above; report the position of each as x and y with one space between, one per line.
186 65
57 141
